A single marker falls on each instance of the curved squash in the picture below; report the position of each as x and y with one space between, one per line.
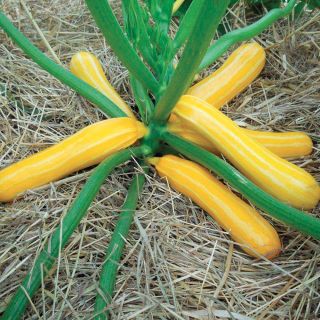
283 144
238 71
87 67
245 225
280 178
85 148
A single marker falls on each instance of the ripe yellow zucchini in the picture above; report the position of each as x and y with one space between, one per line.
88 68
280 178
245 225
239 70
284 144
85 148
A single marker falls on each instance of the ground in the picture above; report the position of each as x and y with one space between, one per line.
178 263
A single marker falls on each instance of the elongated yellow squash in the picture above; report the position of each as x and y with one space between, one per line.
85 148
245 225
87 67
238 71
280 178
284 144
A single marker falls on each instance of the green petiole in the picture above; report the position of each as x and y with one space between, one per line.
208 19
246 33
63 75
185 27
109 26
61 235
115 248
142 99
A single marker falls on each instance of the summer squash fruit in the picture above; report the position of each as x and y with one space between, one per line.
219 88
87 67
284 144
246 226
282 179
236 74
86 148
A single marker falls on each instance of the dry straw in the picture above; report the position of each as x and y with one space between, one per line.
178 264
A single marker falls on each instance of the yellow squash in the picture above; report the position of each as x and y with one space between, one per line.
280 178
245 225
88 68
238 72
86 148
283 144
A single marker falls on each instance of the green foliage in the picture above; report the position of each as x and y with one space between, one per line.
139 30
207 20
183 8
147 26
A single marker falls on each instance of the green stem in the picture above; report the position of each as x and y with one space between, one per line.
115 248
186 26
161 12
208 19
297 219
109 26
137 25
246 33
66 77
61 235
142 99
177 5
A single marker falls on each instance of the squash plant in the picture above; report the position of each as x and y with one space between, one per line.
148 52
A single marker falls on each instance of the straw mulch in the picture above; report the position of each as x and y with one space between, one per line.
178 263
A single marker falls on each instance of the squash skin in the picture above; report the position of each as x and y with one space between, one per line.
86 148
280 178
284 144
87 67
237 73
245 225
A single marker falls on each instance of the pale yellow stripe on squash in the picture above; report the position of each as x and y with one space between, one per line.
87 147
88 68
244 224
239 70
226 82
284 144
277 176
